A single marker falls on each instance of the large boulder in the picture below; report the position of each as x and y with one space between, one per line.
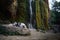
12 30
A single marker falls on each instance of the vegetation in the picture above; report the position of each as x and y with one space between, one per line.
42 14
55 13
20 12
55 17
38 17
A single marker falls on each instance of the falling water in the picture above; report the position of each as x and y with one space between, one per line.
30 7
30 25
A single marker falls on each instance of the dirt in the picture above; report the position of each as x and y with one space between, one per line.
34 36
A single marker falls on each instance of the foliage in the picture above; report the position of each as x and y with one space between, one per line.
55 14
53 17
22 12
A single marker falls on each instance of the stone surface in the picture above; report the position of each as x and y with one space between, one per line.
34 36
13 30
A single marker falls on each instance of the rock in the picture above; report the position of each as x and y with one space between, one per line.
22 25
4 22
25 32
15 23
11 30
10 25
56 28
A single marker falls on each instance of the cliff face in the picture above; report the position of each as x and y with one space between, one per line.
8 8
12 8
10 11
46 1
48 5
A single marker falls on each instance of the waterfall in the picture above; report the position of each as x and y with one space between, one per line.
30 25
31 7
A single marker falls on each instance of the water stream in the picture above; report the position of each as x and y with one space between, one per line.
30 25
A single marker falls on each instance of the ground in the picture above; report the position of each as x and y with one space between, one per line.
34 36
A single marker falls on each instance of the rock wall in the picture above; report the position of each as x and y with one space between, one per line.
8 8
